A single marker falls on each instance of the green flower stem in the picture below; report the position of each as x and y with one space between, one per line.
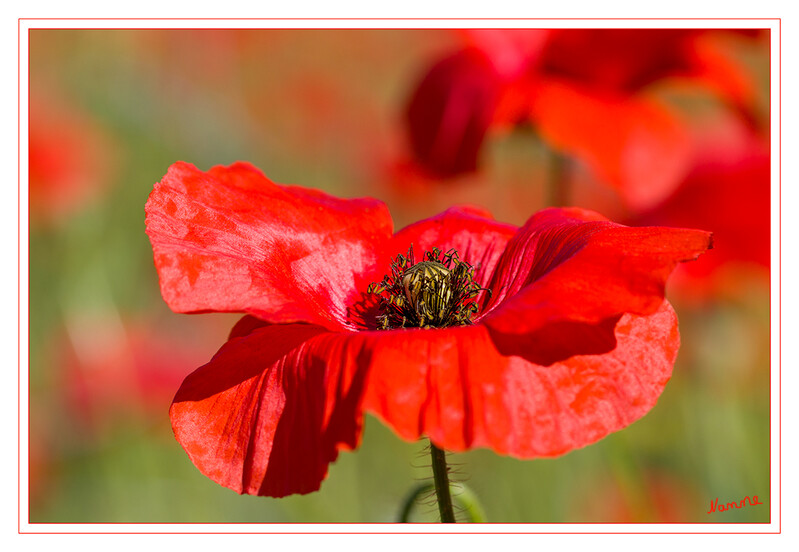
441 480
468 502
410 501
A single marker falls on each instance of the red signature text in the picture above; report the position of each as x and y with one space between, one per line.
715 506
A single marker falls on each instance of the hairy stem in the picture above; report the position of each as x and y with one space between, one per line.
441 479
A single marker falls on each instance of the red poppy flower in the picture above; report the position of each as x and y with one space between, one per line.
592 96
588 92
573 341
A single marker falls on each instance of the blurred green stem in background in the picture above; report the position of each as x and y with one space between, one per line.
558 166
558 189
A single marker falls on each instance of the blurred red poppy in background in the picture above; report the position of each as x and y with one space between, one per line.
590 93
71 158
655 497
112 367
573 341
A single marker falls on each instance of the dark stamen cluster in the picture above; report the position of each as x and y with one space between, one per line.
437 292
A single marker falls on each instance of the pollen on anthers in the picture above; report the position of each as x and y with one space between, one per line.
437 292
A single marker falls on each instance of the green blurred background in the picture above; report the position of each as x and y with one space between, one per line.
112 109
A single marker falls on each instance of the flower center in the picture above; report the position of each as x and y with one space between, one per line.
437 292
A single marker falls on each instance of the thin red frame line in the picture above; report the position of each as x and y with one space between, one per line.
779 254
19 263
402 533
19 284
19 301
19 307
400 19
313 28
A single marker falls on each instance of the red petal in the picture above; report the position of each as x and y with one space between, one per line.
635 144
231 240
566 278
478 239
271 410
455 387
450 112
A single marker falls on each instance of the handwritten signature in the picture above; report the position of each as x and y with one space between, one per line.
714 505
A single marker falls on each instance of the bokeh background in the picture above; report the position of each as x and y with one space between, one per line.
647 127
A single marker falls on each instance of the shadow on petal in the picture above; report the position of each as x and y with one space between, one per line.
558 341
